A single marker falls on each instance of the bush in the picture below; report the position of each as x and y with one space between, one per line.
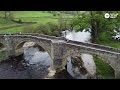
49 29
63 23
28 29
105 36
42 29
11 17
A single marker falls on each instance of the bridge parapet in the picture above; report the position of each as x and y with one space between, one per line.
24 36
47 36
95 46
36 34
90 50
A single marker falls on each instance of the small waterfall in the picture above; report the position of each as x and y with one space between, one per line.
41 59
33 56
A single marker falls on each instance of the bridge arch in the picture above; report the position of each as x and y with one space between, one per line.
73 53
20 42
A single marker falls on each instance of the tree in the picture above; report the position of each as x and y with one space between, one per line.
64 23
8 15
96 21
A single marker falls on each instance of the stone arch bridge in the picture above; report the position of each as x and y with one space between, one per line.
59 49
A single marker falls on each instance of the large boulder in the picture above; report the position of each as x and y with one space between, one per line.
83 68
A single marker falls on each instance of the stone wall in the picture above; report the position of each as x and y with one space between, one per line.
95 46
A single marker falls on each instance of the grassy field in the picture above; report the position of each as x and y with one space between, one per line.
104 71
4 23
106 39
12 30
39 20
112 43
18 14
35 16
30 16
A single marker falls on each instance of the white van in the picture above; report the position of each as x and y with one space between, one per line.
117 37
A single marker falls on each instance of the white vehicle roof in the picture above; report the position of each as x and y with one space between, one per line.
117 36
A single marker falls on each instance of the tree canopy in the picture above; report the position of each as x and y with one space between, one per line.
96 21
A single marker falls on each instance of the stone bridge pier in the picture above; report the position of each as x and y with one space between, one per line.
10 46
57 56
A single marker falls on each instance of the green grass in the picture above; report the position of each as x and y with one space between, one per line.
12 30
30 16
4 23
104 70
38 16
39 20
2 56
23 14
106 39
19 14
114 44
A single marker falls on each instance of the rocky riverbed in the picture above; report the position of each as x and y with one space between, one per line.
18 68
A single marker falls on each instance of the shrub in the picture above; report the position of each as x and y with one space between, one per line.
28 29
49 29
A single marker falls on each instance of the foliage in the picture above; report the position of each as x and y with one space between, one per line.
4 22
28 29
8 15
48 28
104 70
64 23
81 21
97 22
